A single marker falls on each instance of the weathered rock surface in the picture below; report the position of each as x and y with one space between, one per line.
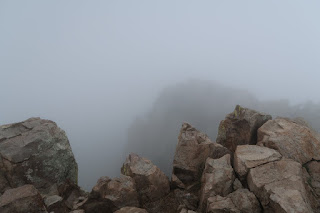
192 150
279 187
36 152
250 156
151 183
120 192
245 201
240 127
217 179
21 200
218 204
291 138
131 210
313 168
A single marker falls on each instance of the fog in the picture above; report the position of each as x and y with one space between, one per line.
121 76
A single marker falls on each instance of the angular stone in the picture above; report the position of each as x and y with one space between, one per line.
250 156
131 210
151 183
218 204
237 184
36 152
240 127
192 150
245 201
292 139
279 186
217 179
22 199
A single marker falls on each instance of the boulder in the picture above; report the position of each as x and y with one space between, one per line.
120 191
151 183
250 156
245 201
54 203
36 152
237 184
240 127
217 179
279 186
291 138
131 210
218 204
313 168
21 200
192 150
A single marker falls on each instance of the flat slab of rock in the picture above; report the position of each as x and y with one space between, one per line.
292 139
250 156
131 210
36 152
22 199
240 127
151 183
192 150
217 179
279 187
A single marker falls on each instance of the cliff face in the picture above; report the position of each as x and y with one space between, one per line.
256 165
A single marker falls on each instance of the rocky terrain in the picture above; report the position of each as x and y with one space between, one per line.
257 164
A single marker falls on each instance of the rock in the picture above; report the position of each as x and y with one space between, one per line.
54 203
192 150
120 192
313 168
279 187
36 152
21 200
131 210
218 204
237 184
217 179
187 211
245 201
250 156
240 127
186 199
291 138
78 211
167 204
151 183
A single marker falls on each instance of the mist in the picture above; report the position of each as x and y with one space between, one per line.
121 76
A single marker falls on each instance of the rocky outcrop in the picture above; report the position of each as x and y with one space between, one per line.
36 152
152 184
251 156
292 139
22 199
240 127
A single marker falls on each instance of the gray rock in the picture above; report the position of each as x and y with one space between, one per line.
131 210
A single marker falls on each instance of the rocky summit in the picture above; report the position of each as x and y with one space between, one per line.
257 164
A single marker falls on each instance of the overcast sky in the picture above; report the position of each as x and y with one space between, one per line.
93 66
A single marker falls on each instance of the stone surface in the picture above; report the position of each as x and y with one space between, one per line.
240 127
131 210
237 184
218 204
279 186
245 201
21 200
250 156
36 152
313 168
293 139
151 183
120 191
192 150
217 179
54 204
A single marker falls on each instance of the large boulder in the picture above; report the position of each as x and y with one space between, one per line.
250 156
292 138
36 152
21 200
192 150
151 183
279 186
240 127
217 179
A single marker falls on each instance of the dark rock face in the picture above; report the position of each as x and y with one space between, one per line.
21 200
240 127
35 152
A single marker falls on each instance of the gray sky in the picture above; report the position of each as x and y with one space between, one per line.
93 66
